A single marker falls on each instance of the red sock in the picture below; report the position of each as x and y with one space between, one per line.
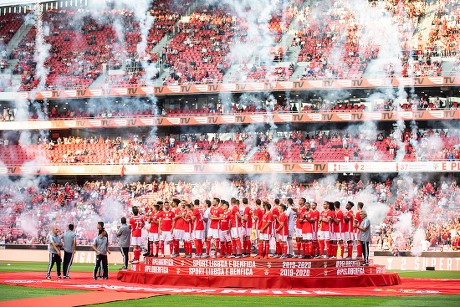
321 247
304 248
328 247
217 246
176 247
233 250
208 247
137 254
309 248
229 247
197 247
162 247
171 247
260 247
156 249
267 248
284 248
151 247
350 250
359 249
248 246
334 249
238 245
278 248
223 248
299 248
316 248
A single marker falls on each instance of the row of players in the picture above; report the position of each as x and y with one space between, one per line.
230 226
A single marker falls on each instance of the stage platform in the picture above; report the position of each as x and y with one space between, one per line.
258 273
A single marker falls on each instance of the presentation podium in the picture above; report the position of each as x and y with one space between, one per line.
249 272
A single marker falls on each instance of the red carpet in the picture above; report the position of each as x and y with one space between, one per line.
83 281
78 299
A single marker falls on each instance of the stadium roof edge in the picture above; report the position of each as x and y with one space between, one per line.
7 3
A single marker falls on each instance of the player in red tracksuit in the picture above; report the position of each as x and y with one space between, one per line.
314 220
247 228
213 233
347 228
337 222
224 230
265 232
188 229
307 232
324 235
198 228
282 231
154 237
136 224
166 224
298 226
236 231
275 224
257 216
358 220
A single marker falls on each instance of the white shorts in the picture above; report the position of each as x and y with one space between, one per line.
336 236
324 235
281 238
265 236
136 241
307 236
236 232
224 236
153 236
178 234
346 236
166 236
213 233
198 234
355 236
315 235
298 233
187 236
247 232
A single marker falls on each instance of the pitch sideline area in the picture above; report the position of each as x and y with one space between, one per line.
84 281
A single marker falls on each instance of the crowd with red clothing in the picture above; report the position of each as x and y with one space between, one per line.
27 213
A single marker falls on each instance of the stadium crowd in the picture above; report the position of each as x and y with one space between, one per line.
269 146
28 212
84 45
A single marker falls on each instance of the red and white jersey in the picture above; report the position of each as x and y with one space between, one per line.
216 212
137 223
284 219
339 216
276 215
153 218
166 220
198 223
260 215
359 219
225 221
326 226
247 215
314 214
348 226
300 214
307 226
234 218
180 223
267 219
188 223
